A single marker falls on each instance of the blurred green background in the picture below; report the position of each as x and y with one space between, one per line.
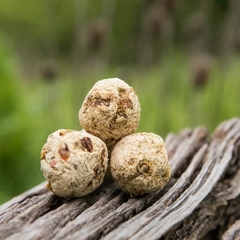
181 57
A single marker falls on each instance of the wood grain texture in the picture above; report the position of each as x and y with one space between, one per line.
233 232
201 201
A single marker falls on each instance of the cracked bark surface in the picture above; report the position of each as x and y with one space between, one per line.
201 201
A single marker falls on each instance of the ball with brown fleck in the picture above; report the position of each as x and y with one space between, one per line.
139 163
110 111
73 162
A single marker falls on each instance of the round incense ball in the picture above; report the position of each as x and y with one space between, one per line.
110 111
139 163
73 162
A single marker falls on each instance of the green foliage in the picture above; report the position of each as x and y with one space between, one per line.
11 123
44 28
31 110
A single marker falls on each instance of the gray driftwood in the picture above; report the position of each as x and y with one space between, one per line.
201 201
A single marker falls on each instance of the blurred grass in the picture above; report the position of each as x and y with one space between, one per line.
31 110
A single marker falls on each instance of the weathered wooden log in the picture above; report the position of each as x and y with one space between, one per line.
201 201
233 232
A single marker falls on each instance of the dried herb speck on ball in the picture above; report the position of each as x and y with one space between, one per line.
73 162
139 163
110 111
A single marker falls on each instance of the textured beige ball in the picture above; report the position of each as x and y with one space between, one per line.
73 162
110 111
139 163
